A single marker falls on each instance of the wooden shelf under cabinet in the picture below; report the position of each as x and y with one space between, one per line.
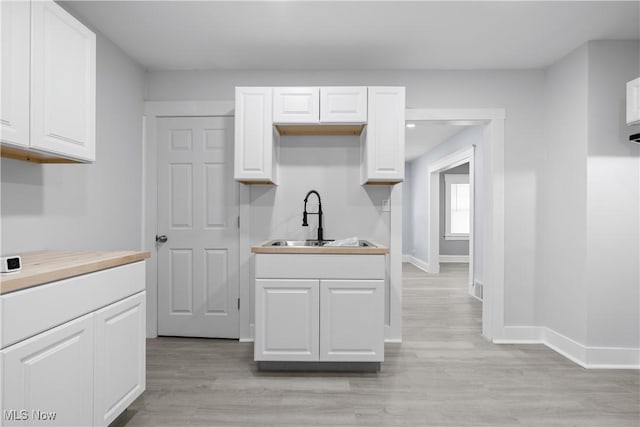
286 130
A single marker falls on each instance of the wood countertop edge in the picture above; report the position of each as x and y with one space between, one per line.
339 250
47 272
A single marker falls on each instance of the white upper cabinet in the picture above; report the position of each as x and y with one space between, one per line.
382 159
633 102
343 104
63 83
48 84
296 104
14 112
255 150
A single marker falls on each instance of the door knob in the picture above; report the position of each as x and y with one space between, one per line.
161 239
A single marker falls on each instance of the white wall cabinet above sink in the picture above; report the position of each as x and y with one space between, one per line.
377 114
48 84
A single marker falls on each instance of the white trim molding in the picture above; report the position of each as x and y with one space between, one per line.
454 258
586 356
416 262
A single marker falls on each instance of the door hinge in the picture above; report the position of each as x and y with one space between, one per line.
238 303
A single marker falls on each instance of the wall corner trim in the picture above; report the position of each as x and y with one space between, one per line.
585 356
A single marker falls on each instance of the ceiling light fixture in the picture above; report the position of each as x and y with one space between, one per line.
411 125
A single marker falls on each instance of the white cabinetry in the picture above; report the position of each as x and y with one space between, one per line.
351 324
287 315
119 357
82 356
14 112
296 105
305 313
382 157
255 138
633 102
343 104
48 379
60 98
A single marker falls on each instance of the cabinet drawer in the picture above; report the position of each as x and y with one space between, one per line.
327 266
28 312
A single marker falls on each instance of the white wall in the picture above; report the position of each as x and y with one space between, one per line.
84 207
588 246
613 200
519 92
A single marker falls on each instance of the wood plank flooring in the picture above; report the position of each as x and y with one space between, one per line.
443 374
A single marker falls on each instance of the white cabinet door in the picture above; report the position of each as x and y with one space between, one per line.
343 104
50 377
286 320
119 373
633 102
63 83
255 151
352 320
296 105
14 111
383 150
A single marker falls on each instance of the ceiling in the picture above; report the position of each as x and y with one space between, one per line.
333 35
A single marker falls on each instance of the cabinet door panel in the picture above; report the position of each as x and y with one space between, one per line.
50 375
384 138
119 357
14 119
286 320
343 104
63 83
352 320
296 105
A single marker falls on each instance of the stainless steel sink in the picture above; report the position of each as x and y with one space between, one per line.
307 243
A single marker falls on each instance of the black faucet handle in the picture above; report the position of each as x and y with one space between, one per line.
304 219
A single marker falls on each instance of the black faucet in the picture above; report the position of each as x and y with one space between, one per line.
319 213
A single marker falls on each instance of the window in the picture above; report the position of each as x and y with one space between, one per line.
457 206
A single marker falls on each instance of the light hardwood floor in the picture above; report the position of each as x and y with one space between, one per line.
443 374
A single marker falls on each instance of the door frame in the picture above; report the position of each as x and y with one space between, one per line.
152 111
493 224
447 162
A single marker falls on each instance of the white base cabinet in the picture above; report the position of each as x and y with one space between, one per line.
322 319
48 379
73 351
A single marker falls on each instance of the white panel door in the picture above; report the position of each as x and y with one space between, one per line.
296 105
119 373
51 374
343 104
352 320
286 321
14 111
198 207
63 83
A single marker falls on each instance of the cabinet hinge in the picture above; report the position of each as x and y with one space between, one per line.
238 303
238 221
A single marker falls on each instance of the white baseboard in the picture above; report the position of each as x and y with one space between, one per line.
587 357
416 262
454 258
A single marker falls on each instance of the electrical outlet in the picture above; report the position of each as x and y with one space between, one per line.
386 205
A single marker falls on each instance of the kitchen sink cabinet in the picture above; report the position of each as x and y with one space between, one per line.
48 84
50 374
287 320
256 154
382 158
319 308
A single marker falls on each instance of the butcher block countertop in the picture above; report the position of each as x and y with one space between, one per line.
341 250
43 267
